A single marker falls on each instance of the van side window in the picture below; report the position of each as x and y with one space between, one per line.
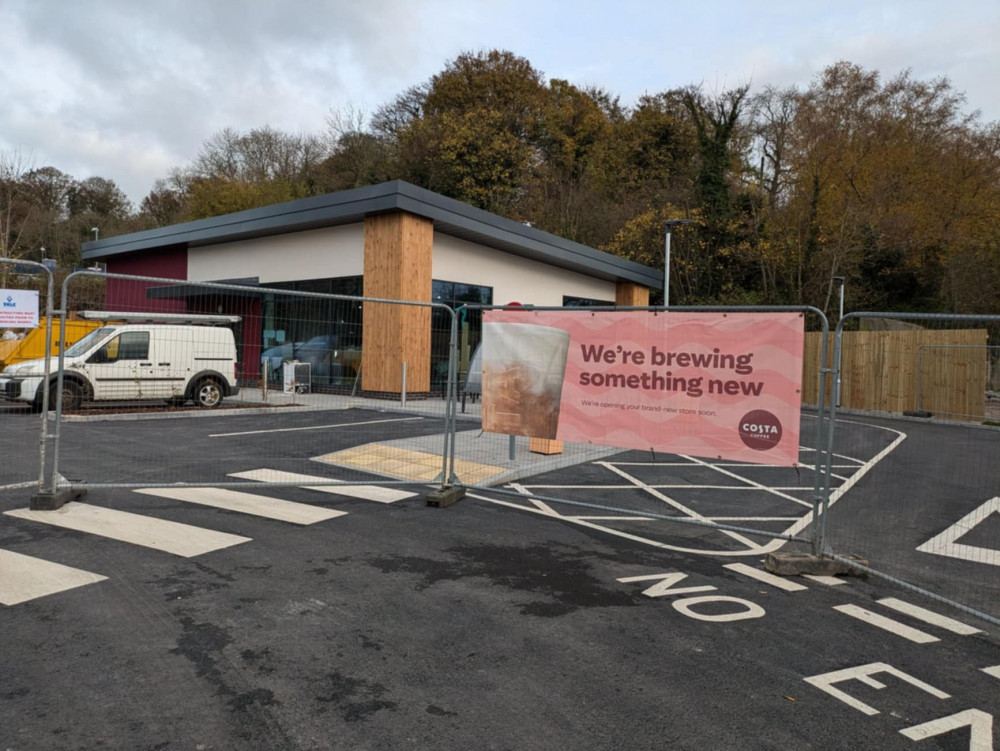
134 345
131 345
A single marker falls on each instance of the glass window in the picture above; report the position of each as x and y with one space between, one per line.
325 333
134 345
131 345
470 326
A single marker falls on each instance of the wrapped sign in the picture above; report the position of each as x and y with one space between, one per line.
18 309
718 385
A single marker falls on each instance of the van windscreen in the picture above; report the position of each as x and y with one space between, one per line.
84 345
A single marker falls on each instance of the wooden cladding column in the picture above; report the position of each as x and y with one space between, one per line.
629 295
397 267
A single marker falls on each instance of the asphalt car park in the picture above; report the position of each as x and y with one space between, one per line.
495 623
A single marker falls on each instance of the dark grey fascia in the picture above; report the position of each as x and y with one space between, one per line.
345 207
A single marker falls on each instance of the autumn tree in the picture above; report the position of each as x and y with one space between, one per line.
882 182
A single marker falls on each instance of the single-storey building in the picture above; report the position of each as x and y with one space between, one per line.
390 241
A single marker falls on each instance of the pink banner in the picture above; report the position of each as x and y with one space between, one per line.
719 385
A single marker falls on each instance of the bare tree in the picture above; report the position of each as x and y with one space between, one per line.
15 209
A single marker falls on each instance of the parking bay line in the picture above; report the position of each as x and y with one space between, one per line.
313 427
27 578
247 503
364 492
184 540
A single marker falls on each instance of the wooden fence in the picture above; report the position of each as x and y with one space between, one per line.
943 372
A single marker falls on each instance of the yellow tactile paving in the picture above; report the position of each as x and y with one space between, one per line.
407 464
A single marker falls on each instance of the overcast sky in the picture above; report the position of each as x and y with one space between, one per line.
128 89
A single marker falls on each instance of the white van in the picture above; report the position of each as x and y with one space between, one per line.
129 361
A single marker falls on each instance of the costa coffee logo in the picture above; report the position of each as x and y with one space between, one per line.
760 430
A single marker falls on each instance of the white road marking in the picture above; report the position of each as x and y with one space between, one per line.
313 427
24 578
658 486
993 671
888 624
799 523
744 465
170 537
779 582
752 483
853 480
753 518
664 587
929 616
617 533
364 492
690 513
946 543
750 609
247 503
540 505
863 674
979 722
830 581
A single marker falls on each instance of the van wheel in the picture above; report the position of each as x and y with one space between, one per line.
207 393
72 395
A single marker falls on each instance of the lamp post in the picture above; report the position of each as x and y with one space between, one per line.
840 316
840 313
666 259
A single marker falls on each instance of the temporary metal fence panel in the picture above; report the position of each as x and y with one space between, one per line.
927 513
186 385
22 425
679 501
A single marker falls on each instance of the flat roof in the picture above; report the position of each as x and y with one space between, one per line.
450 217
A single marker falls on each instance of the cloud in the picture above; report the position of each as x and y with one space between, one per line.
128 90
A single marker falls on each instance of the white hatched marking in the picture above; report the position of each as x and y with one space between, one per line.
993 671
751 483
830 581
247 503
612 518
24 578
768 578
364 492
170 537
658 486
540 505
929 616
888 624
743 465
676 504
625 535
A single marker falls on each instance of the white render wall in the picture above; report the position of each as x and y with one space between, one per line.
513 279
339 251
314 254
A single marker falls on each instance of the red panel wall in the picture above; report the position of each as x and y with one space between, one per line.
128 296
131 296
